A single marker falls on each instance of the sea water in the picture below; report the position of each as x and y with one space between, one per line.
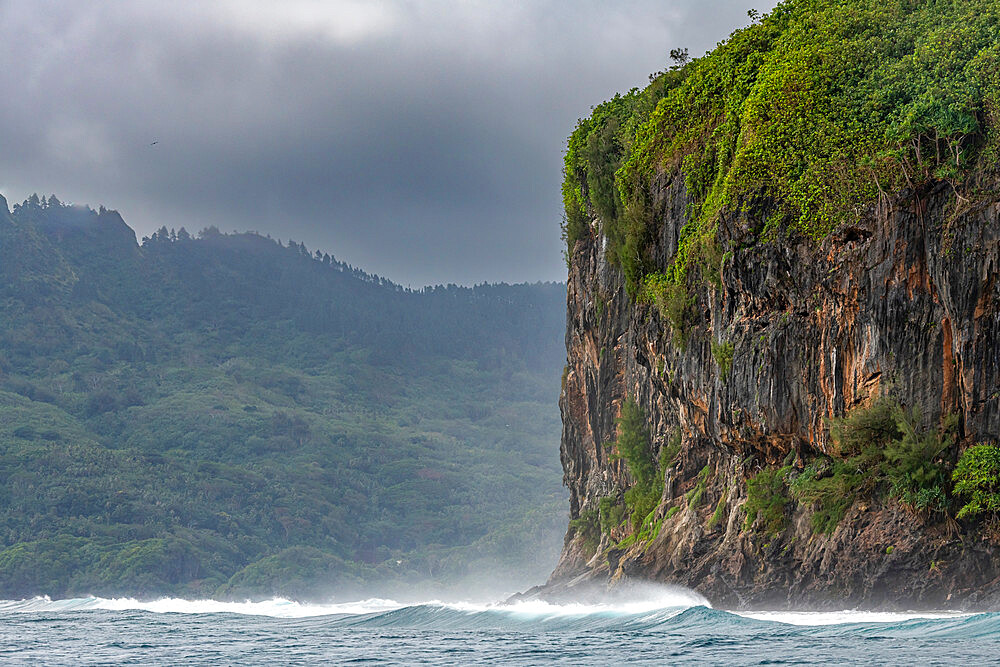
676 627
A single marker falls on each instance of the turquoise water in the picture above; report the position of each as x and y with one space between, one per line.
675 628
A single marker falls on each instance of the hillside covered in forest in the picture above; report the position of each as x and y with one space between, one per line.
227 415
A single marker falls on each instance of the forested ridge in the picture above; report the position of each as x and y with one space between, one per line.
227 415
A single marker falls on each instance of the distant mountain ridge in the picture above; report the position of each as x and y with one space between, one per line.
91 247
227 415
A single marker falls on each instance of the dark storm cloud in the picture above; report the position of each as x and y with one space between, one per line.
422 140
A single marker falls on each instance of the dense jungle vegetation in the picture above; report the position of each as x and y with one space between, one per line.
812 114
226 415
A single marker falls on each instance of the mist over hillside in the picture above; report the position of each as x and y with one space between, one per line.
227 415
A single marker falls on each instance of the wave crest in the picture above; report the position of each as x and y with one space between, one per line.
670 610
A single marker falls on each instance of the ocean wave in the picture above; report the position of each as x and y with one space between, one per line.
673 611
651 599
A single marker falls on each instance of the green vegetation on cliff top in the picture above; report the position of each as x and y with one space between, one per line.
809 115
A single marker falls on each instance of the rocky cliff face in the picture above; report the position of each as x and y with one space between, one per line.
904 303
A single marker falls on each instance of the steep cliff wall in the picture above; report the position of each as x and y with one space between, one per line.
903 302
783 331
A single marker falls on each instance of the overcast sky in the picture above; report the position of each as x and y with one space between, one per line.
420 140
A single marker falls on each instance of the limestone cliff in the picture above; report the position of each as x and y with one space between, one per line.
903 302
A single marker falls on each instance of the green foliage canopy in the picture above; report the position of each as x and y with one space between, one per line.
813 112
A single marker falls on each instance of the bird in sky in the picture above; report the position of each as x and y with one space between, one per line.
155 142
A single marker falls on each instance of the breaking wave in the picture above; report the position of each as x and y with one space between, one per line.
674 610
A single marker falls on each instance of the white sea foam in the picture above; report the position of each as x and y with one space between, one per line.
815 618
651 599
276 607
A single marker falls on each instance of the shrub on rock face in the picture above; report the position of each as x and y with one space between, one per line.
588 527
912 466
635 447
612 513
883 447
767 496
862 429
829 487
977 479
